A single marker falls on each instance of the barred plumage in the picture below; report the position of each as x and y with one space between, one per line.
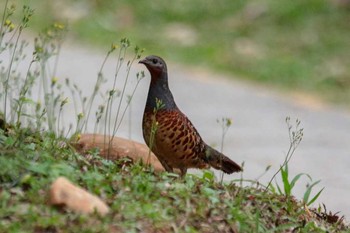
176 142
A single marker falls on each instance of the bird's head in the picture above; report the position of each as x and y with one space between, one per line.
155 65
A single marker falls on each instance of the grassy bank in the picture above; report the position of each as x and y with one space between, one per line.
140 200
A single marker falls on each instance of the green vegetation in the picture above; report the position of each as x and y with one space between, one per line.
34 151
297 45
140 200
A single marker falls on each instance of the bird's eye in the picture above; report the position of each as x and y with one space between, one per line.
154 61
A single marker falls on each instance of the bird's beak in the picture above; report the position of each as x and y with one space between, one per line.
143 61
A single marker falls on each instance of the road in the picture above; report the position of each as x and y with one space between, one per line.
258 136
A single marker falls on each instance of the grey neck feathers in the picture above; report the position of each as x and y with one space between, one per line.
159 89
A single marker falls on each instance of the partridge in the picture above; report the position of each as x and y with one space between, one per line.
170 134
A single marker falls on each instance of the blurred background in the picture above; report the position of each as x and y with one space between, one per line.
244 52
299 44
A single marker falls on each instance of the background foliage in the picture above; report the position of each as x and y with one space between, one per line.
301 45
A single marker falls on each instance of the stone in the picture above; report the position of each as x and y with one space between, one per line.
64 193
120 148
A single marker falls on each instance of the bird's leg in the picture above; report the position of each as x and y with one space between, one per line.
166 166
183 171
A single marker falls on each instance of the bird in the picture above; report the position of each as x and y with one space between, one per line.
168 132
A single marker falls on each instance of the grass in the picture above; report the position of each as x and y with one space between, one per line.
299 45
35 149
140 199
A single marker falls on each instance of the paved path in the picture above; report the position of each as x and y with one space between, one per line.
258 136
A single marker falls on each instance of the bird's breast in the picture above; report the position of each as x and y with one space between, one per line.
172 136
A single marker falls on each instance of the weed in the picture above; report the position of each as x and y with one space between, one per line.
154 128
139 76
48 46
307 193
295 137
40 95
12 34
225 124
18 91
100 79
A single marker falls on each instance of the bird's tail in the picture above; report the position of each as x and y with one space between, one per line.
221 162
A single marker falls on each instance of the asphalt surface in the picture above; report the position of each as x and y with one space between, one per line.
258 136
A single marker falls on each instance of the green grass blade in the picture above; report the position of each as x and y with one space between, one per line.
315 197
295 179
308 191
279 189
286 184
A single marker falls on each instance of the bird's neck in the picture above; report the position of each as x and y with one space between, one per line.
159 91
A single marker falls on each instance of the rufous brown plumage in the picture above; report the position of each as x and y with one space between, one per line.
170 134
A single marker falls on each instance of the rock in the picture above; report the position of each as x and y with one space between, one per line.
120 148
64 193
